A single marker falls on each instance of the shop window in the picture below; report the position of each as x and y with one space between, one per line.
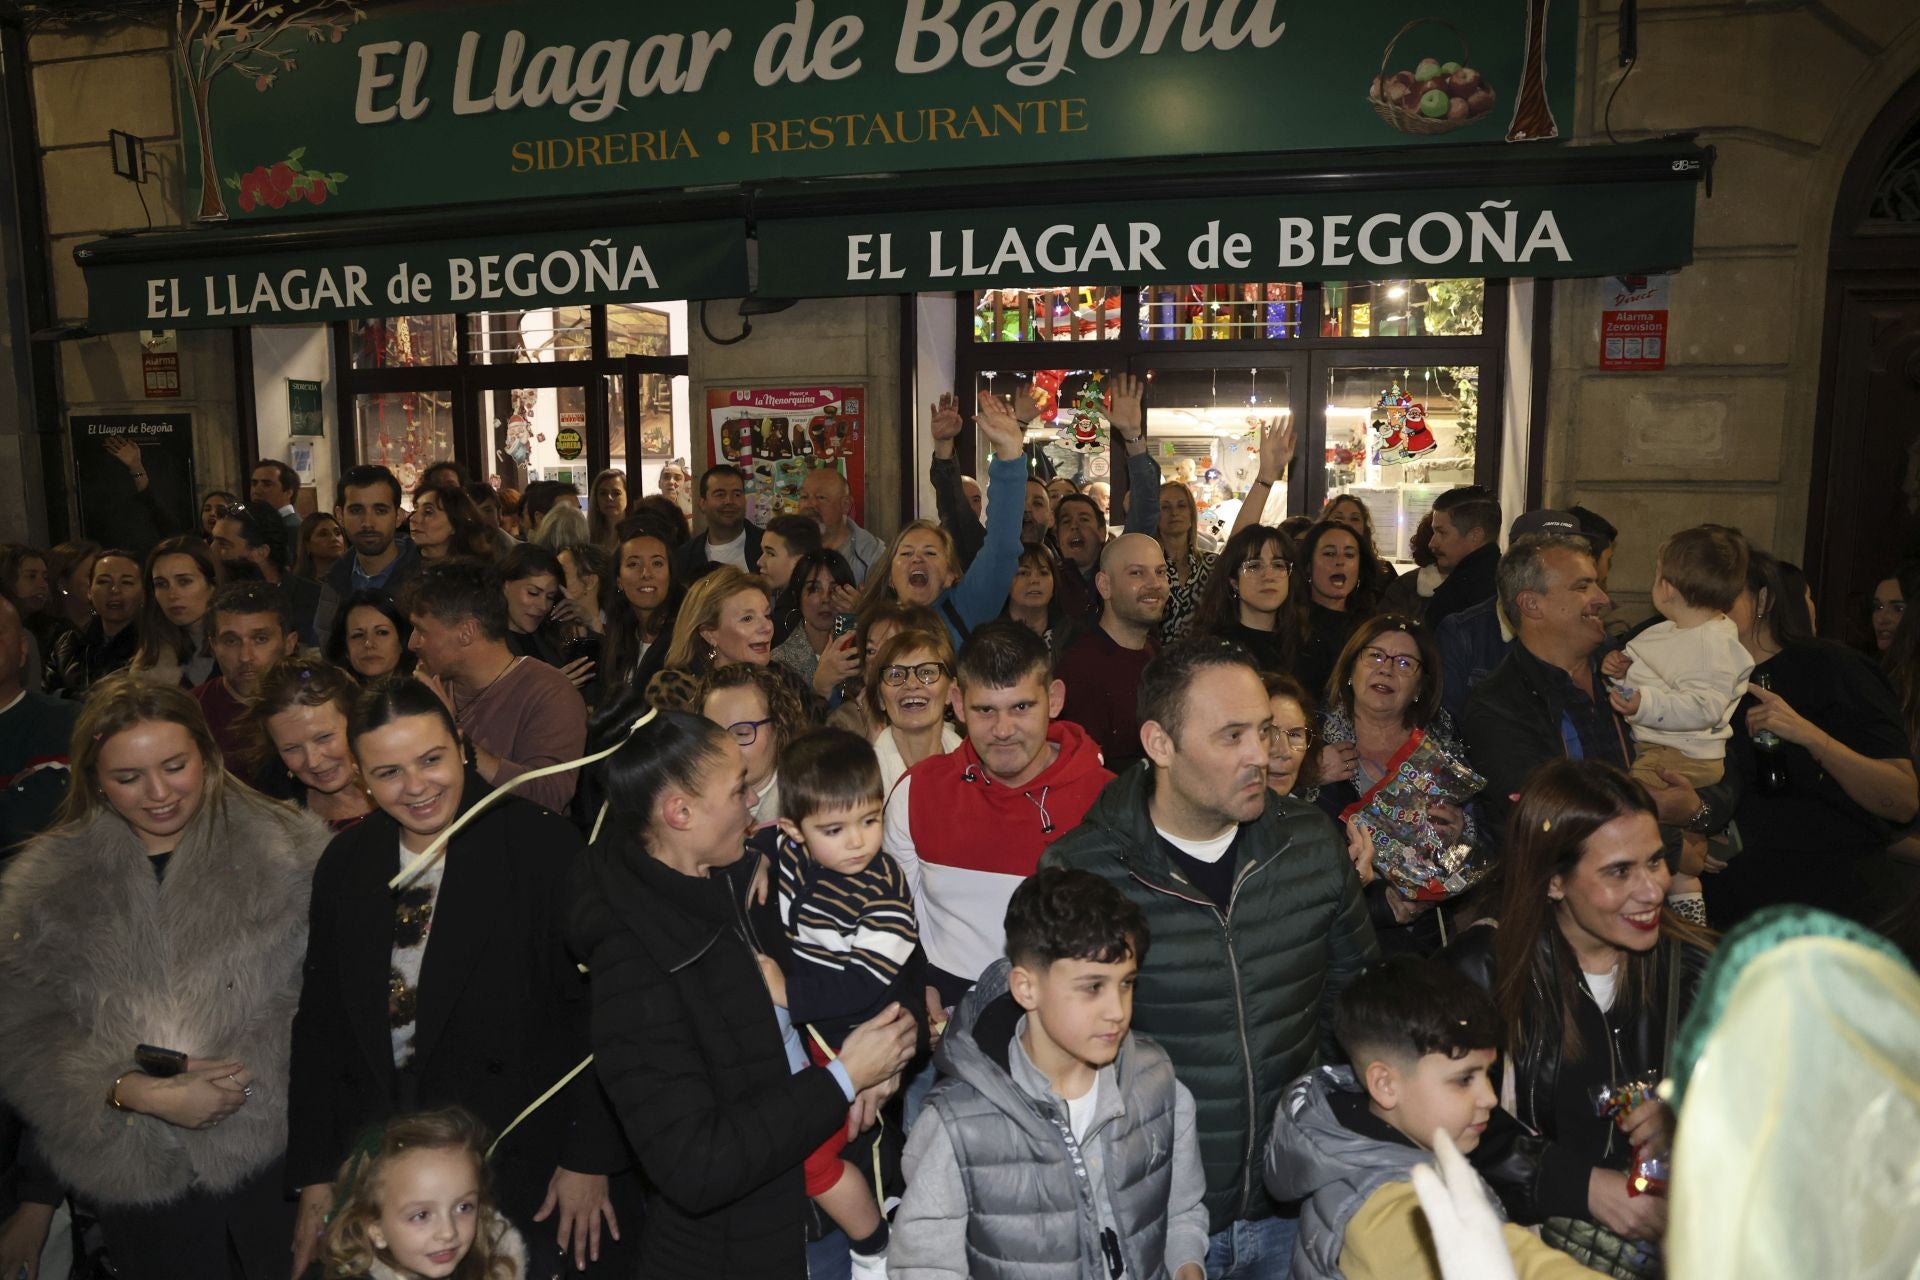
404 431
1203 429
1071 313
1399 437
536 433
542 336
638 331
1065 415
1238 312
402 342
1402 308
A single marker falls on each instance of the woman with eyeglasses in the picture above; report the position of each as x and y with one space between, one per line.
908 683
1246 597
1340 574
1291 765
759 708
1384 695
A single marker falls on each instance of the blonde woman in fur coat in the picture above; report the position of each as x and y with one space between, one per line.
168 907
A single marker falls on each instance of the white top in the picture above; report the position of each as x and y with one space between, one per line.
403 980
1689 680
893 766
1602 985
733 553
1202 850
1080 1111
766 801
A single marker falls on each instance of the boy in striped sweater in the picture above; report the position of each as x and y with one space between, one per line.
848 925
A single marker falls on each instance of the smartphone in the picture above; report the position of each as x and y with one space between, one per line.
843 623
587 646
159 1062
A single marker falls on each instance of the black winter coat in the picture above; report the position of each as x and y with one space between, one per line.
502 1006
1540 1166
686 1041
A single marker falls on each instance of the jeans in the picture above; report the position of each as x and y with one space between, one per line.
1261 1250
829 1258
919 1085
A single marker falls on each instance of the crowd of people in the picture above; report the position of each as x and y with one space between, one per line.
479 884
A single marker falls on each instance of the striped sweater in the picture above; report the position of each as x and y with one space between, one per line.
851 940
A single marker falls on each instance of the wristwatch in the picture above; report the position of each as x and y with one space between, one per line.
1698 822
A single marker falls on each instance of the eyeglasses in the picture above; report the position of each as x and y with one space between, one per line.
747 732
926 673
1380 658
1296 738
1282 567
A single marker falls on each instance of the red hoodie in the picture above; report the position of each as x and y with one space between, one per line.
966 841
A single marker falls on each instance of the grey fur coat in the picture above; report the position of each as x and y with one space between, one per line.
97 956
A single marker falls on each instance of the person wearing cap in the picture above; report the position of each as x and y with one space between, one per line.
1547 699
1474 640
1465 545
1601 535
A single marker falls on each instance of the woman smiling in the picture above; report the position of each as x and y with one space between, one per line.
487 1017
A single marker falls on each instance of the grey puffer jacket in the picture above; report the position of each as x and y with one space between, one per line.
998 1187
1315 1158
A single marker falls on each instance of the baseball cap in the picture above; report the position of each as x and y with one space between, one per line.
1544 521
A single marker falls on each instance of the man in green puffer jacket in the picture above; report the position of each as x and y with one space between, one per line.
1257 921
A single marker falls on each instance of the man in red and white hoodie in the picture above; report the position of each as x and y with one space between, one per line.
967 827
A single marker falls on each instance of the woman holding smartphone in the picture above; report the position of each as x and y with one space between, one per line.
167 910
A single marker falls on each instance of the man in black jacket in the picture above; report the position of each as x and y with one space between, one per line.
1547 699
1466 547
730 537
1257 919
367 504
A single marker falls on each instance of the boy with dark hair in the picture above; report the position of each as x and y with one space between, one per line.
1420 1040
968 826
849 943
1057 1142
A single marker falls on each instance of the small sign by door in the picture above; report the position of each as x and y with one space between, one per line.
1633 323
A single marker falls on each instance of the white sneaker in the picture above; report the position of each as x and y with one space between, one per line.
869 1266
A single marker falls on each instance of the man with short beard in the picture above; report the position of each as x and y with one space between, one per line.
251 625
367 504
1257 920
1547 698
1104 666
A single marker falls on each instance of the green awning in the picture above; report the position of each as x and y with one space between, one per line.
1572 211
1460 211
406 266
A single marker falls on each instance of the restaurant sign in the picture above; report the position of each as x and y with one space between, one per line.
516 272
1566 230
324 106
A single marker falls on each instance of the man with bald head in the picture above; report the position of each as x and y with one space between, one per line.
34 732
825 496
1104 666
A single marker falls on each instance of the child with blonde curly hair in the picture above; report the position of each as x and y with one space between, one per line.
417 1205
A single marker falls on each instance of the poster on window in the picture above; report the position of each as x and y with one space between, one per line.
778 434
134 475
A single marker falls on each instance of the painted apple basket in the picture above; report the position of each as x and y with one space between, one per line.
1409 103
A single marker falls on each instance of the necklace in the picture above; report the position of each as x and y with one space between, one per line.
474 701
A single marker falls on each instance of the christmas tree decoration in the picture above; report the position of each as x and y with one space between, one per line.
1082 430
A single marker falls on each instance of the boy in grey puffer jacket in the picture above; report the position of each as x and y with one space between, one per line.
1346 1140
1057 1145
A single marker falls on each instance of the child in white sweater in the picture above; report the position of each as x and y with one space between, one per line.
1684 677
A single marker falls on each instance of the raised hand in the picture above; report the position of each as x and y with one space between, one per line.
947 422
1126 396
1003 431
1278 439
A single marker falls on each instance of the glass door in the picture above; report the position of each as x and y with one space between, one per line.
1396 430
1203 417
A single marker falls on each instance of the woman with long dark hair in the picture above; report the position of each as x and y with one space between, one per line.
487 1017
609 507
174 648
1824 760
1246 598
320 545
1592 974
374 639
639 601
708 1076
803 619
109 641
167 908
1339 577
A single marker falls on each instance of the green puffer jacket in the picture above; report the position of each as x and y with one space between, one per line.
1241 1002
